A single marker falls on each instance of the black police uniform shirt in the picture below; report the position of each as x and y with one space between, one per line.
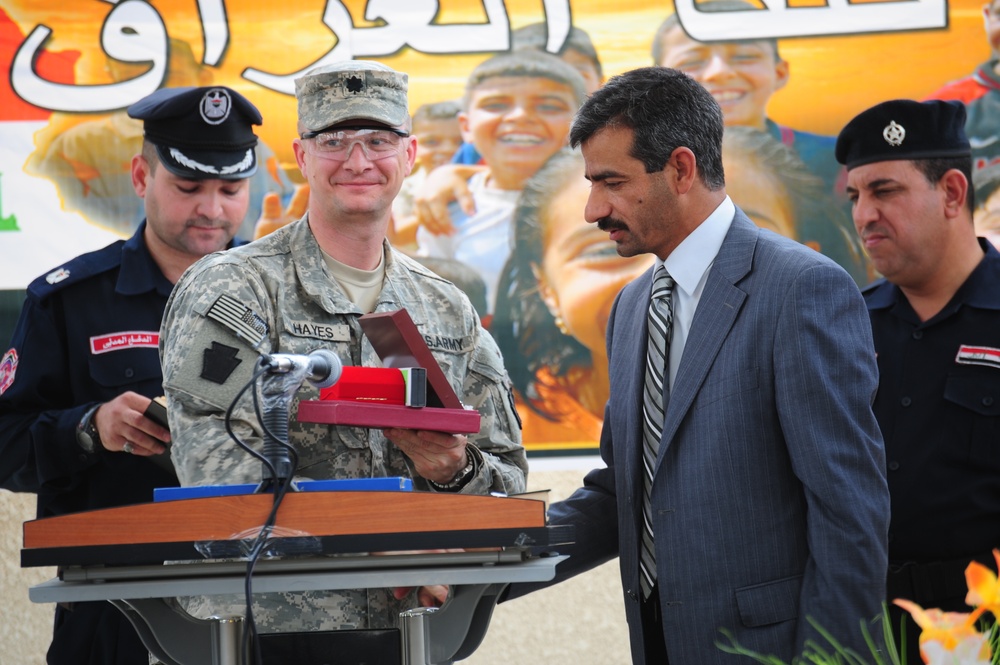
87 333
938 405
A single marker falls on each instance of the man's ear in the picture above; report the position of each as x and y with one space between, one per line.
956 188
300 156
411 154
685 165
140 175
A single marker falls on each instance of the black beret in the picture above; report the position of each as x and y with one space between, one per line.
904 129
201 133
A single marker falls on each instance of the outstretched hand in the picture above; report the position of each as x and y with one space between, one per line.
443 185
273 218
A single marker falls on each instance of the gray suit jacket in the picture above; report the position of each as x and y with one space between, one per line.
770 501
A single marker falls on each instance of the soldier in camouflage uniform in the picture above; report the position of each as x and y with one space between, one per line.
304 287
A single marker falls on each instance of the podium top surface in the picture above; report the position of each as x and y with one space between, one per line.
330 522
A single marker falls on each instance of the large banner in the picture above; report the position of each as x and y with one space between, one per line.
788 75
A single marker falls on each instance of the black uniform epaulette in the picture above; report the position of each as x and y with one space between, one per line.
76 270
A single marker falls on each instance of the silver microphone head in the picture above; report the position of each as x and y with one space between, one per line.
325 368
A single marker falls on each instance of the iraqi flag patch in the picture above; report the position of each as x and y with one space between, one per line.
8 367
978 355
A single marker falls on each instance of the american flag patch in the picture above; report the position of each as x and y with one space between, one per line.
239 319
978 355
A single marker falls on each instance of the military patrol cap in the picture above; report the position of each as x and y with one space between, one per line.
904 129
201 133
351 90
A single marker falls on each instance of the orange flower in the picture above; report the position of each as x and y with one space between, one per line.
984 590
947 632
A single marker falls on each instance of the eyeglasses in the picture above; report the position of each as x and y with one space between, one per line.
337 145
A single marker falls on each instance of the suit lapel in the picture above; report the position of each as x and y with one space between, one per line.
717 311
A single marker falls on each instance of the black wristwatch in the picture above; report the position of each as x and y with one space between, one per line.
86 431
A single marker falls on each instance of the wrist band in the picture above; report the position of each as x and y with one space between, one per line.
460 478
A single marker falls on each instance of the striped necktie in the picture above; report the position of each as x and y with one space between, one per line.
656 385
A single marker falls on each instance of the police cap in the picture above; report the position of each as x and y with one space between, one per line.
201 133
904 129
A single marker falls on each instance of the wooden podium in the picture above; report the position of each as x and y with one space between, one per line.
142 557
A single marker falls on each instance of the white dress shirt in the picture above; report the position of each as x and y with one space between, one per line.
689 264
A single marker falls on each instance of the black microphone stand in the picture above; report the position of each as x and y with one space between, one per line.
277 389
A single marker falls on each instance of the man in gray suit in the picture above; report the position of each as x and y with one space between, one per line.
745 484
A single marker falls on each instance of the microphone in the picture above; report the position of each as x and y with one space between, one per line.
322 367
287 372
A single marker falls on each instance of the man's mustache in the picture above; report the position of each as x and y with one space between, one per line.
608 224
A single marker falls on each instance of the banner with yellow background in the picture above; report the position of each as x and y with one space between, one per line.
72 67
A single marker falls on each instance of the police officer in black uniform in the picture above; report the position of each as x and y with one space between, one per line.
936 323
84 363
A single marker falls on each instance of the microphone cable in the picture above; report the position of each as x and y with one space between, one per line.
251 638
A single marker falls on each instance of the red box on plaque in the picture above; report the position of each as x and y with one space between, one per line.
380 385
399 344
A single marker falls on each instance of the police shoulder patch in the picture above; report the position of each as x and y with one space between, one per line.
76 270
8 368
57 276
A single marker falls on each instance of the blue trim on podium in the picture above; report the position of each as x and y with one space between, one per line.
391 484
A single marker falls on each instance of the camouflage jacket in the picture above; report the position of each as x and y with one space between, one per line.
276 296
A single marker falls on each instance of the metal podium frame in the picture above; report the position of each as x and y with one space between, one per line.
428 636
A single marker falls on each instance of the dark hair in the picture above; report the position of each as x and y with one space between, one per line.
526 63
447 110
523 326
665 109
535 36
151 156
672 22
934 170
